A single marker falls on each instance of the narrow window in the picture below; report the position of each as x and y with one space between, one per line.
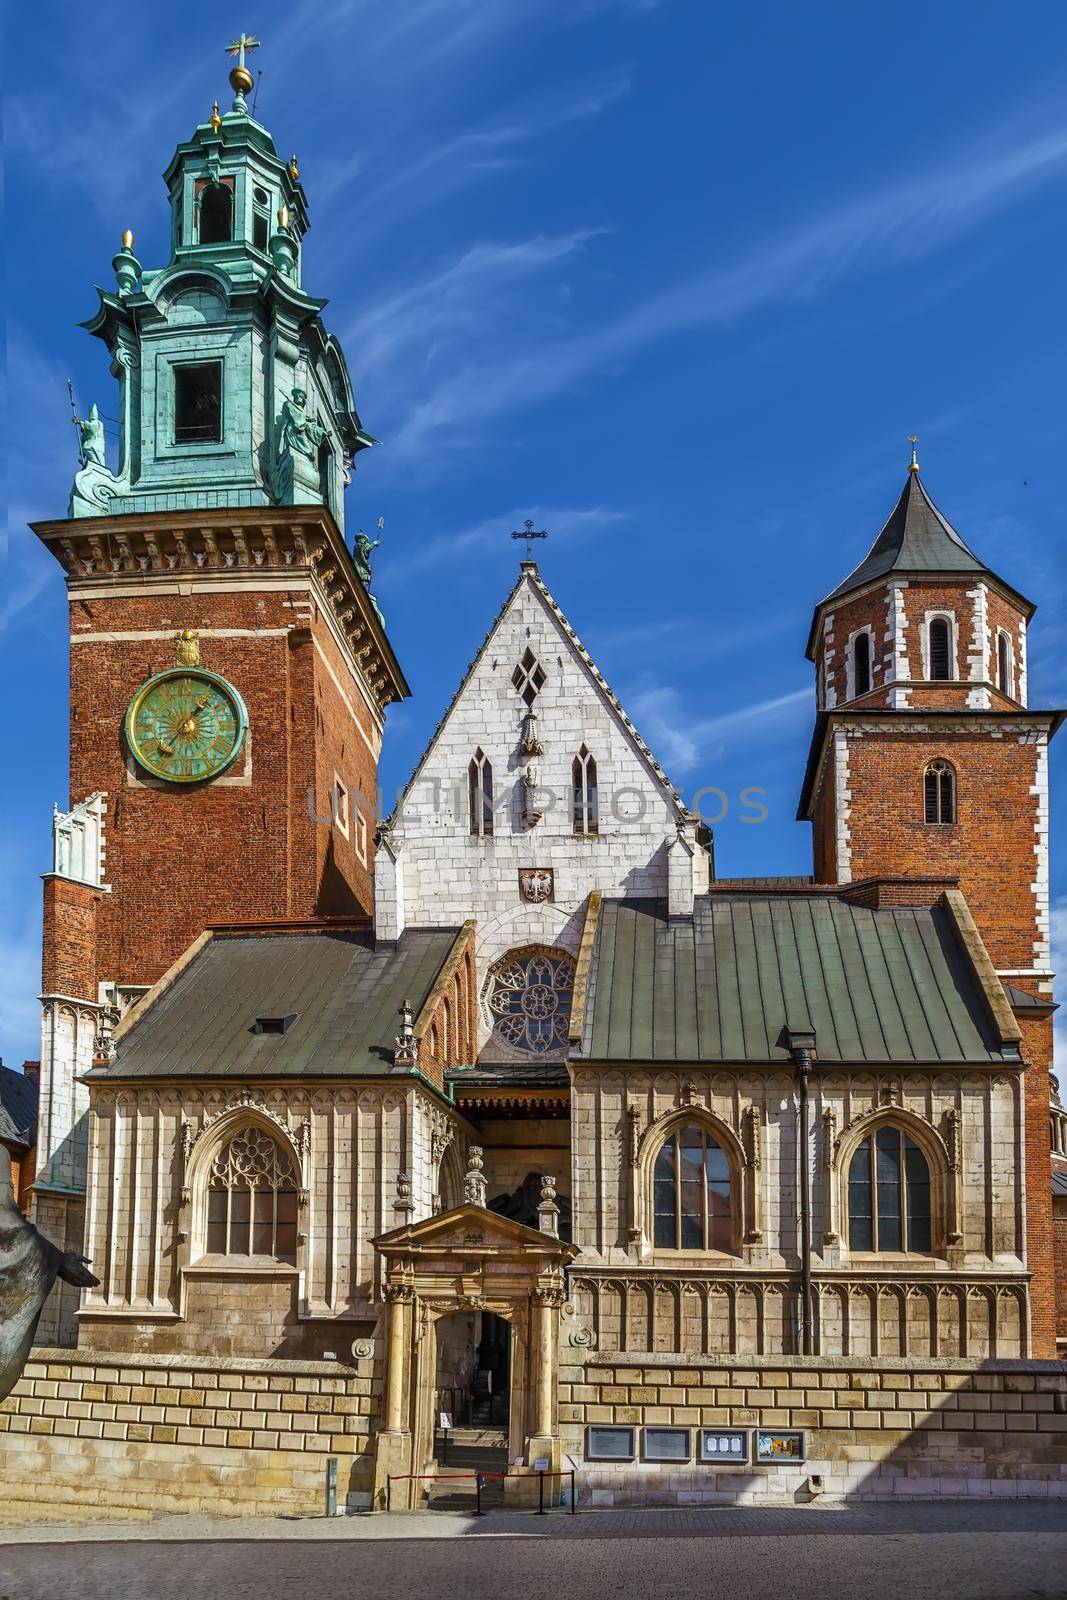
480 789
1004 665
361 837
939 793
340 806
216 214
940 648
198 403
326 473
583 770
861 664
259 230
251 1200
889 1194
691 1207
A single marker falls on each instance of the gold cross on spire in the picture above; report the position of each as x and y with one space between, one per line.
913 464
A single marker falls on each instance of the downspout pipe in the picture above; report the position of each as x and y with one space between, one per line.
802 1050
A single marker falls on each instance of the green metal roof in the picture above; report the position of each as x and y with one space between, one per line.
874 985
345 995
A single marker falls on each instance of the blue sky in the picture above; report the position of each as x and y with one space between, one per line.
673 279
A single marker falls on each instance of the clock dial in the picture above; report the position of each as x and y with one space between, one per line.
186 725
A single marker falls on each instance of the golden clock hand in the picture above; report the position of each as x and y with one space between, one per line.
202 702
166 748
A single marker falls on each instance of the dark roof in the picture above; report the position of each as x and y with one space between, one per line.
345 995
1022 1000
18 1106
514 1075
1059 1180
916 538
888 985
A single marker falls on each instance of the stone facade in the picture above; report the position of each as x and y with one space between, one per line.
872 1429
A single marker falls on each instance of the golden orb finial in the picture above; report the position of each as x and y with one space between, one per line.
241 80
294 169
215 121
127 238
284 217
913 464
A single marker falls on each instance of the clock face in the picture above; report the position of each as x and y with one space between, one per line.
186 725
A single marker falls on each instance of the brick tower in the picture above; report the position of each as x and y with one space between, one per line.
229 670
927 760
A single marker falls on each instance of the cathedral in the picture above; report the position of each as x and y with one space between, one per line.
506 1118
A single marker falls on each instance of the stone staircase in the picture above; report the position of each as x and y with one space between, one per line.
467 1450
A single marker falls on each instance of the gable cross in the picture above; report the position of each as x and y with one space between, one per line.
529 535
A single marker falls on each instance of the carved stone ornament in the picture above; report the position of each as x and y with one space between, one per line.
474 1184
537 885
363 1349
633 1135
187 648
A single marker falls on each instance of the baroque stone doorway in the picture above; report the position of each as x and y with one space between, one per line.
467 1261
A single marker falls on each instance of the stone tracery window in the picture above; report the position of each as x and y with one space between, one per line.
691 1198
480 793
252 1198
889 1194
529 677
939 794
530 1000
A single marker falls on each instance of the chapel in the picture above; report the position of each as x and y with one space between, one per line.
511 1105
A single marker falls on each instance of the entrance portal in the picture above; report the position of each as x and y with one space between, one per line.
473 1377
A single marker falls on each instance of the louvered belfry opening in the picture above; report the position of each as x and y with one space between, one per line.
940 648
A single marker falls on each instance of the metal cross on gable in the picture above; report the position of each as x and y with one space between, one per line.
530 535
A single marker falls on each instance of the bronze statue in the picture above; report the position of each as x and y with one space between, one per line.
297 431
29 1266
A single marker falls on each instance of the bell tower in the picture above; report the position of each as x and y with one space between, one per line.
229 668
927 761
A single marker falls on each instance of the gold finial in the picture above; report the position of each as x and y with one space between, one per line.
127 238
241 79
284 218
913 464
294 170
187 648
215 121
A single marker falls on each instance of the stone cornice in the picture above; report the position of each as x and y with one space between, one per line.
260 543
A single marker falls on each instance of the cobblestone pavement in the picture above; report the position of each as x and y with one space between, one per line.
900 1552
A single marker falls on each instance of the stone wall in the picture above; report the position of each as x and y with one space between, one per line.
874 1429
89 1435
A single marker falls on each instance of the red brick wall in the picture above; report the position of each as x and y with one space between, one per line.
178 858
870 610
1059 1260
1040 1246
68 951
990 848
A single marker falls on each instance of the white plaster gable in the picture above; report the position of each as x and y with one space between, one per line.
435 871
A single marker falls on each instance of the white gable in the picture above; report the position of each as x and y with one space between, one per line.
432 870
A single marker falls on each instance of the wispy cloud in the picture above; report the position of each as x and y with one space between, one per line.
437 171
899 223
567 524
680 740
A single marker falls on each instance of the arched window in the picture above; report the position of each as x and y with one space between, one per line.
583 771
861 664
251 1198
1005 664
216 214
889 1194
940 640
480 793
691 1193
939 793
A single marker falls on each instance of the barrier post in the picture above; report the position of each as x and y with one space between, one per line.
540 1494
478 1494
331 1486
574 1495
389 1494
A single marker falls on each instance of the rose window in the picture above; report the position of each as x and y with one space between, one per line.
530 1000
